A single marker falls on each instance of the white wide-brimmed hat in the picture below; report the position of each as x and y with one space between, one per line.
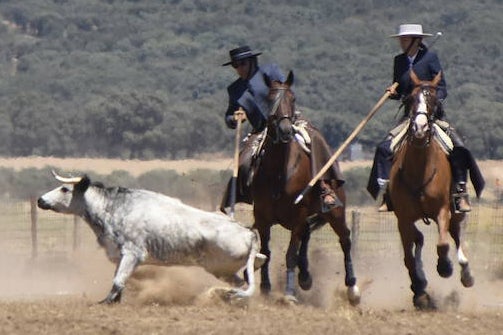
411 30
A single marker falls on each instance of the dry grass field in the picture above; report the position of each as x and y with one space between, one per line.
491 169
57 293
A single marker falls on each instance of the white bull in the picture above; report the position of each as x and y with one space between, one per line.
143 227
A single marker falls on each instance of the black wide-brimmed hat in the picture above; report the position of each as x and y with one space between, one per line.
240 53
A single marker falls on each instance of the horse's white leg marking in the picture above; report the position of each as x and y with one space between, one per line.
461 256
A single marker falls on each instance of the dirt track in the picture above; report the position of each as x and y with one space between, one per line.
80 316
58 295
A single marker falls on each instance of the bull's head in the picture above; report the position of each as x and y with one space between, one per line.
63 198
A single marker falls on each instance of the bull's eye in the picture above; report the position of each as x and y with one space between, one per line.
64 189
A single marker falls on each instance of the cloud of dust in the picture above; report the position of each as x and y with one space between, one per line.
89 274
169 285
383 280
86 274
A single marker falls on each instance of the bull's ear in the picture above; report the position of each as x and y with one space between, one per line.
83 184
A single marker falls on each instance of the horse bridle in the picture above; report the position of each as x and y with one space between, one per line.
277 120
425 90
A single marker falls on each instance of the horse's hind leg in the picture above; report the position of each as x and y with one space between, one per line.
455 230
304 277
340 228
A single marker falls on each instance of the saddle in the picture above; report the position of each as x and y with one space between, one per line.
301 136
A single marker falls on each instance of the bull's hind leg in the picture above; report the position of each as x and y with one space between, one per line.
338 224
455 230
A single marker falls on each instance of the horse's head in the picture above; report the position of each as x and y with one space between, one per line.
281 108
421 104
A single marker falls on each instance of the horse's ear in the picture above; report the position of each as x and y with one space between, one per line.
267 80
437 78
414 78
289 79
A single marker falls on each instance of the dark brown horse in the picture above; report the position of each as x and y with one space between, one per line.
420 188
284 171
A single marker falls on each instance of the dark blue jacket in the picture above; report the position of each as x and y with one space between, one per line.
252 96
426 66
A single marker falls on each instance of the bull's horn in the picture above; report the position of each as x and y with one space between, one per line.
66 180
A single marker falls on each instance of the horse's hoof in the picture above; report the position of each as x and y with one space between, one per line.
467 280
354 295
265 289
305 281
424 302
444 267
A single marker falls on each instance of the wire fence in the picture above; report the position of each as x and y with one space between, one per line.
28 232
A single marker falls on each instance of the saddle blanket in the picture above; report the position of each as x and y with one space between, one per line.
398 135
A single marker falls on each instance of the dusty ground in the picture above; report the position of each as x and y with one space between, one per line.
57 294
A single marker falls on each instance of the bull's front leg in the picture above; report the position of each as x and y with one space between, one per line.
125 268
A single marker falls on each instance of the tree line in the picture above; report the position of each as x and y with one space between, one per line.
143 79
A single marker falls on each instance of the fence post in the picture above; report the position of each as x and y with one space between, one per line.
34 238
76 233
355 230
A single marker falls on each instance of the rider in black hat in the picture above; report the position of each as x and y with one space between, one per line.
250 92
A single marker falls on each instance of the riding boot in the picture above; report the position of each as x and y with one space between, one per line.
383 191
384 204
461 200
328 197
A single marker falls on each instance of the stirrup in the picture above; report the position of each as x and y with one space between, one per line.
329 199
461 203
460 198
328 204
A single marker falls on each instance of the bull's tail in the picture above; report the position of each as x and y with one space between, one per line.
255 261
259 258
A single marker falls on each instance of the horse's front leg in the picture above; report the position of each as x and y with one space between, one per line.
305 279
455 230
444 265
265 236
291 263
410 236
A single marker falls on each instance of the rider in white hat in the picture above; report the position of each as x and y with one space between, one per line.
426 66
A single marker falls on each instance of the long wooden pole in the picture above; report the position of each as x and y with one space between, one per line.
346 143
239 116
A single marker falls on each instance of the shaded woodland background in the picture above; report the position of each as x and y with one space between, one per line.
143 79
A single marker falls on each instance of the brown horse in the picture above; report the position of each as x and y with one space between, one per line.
420 188
284 171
